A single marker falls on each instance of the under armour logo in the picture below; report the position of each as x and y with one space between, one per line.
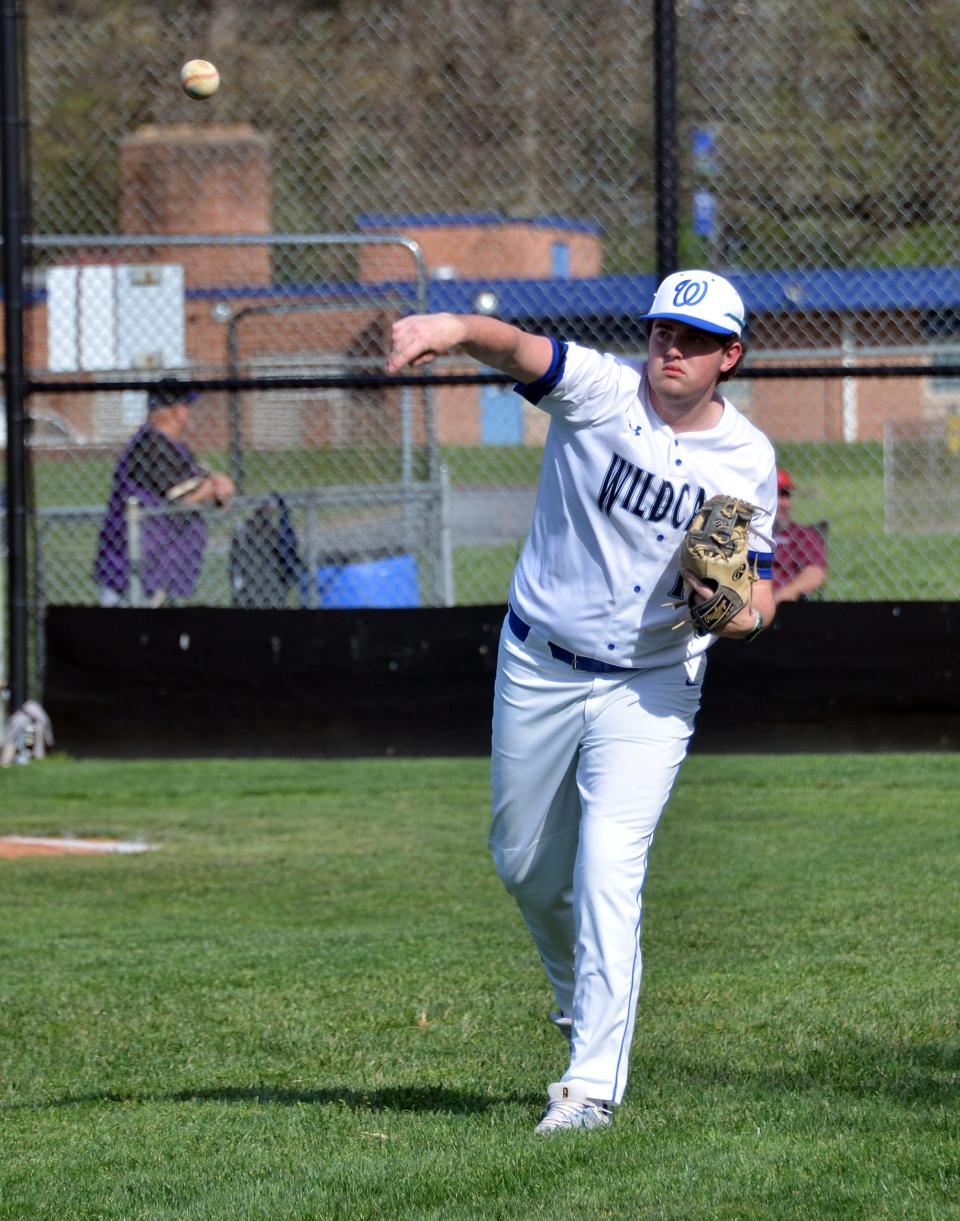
637 431
690 292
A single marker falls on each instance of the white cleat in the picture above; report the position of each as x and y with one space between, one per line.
569 1108
563 1023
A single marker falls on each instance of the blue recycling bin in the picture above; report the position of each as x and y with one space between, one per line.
391 581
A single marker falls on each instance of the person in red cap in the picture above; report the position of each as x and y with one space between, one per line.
800 558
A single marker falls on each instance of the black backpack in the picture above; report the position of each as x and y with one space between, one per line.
264 559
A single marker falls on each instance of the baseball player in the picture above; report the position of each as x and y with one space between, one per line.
599 674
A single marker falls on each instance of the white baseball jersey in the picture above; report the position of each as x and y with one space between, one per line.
618 490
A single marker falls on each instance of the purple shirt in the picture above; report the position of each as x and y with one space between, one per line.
151 467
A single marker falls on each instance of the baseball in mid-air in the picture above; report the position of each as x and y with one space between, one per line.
199 78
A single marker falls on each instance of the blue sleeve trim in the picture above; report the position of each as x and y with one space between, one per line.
763 561
533 392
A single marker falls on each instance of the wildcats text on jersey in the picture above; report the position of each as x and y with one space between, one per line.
629 487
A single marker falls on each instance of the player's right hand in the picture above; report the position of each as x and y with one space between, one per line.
421 338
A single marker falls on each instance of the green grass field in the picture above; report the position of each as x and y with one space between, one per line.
314 999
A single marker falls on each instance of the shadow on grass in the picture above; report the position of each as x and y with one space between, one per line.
392 1098
910 1074
925 1074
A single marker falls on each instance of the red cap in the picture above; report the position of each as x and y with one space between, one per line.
784 482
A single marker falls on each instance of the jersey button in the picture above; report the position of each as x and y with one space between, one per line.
638 589
611 647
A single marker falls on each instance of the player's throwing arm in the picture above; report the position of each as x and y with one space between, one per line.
421 338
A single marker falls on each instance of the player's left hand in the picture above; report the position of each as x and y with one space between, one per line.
742 621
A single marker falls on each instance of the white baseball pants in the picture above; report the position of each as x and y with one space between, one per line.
582 767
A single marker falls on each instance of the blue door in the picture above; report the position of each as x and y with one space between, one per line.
501 416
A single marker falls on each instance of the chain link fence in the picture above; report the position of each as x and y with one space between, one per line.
362 160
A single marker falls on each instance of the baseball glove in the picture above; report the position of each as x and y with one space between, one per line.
715 551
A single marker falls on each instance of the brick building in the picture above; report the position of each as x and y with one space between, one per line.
236 310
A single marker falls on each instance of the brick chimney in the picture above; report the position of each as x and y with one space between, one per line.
212 178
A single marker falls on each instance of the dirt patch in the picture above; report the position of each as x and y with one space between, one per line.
13 846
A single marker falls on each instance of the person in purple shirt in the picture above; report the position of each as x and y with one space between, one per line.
158 468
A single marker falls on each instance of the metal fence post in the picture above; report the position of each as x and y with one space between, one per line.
665 123
134 552
13 126
447 593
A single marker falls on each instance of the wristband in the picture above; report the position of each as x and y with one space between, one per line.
756 629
